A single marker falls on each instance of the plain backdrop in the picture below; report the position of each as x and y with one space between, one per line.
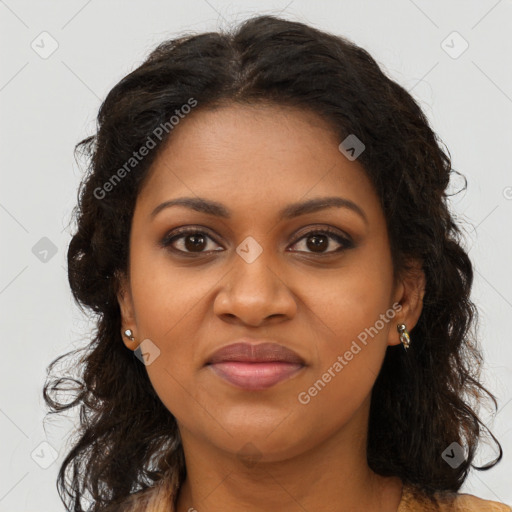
59 59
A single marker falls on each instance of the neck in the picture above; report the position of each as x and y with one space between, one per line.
333 476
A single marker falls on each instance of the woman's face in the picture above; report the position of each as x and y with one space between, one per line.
248 270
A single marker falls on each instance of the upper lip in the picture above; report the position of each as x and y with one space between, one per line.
255 352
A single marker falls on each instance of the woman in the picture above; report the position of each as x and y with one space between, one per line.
284 313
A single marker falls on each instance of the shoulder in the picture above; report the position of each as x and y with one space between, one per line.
158 498
467 502
414 500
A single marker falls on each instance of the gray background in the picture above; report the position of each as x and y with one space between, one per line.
49 104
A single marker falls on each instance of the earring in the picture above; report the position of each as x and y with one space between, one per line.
129 334
405 339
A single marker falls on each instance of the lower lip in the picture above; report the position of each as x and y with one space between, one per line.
255 376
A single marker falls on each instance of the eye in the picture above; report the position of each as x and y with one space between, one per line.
317 241
196 240
188 240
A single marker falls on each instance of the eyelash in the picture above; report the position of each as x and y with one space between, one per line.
180 233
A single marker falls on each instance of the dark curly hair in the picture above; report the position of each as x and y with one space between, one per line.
423 399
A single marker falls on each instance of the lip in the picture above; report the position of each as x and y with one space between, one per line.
252 366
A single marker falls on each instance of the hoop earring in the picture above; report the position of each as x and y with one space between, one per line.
129 334
405 339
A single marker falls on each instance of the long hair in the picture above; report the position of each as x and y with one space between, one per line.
422 400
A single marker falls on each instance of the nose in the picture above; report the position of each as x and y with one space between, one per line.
255 293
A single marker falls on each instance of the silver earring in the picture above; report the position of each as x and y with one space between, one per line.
405 339
129 334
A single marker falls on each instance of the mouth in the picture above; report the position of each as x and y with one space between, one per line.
255 367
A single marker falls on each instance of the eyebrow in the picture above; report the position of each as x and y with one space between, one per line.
292 210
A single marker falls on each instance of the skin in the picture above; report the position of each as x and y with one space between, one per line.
256 160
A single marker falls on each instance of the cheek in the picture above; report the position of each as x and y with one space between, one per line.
171 306
165 295
352 314
350 301
348 362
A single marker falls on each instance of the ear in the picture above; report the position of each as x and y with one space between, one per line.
409 293
125 300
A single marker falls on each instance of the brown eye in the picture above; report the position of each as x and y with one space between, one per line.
318 241
195 242
189 241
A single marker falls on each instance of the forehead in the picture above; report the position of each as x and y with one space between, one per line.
236 153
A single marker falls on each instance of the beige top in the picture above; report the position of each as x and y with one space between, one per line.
160 498
414 501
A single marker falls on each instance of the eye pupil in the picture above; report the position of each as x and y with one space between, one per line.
321 242
197 244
